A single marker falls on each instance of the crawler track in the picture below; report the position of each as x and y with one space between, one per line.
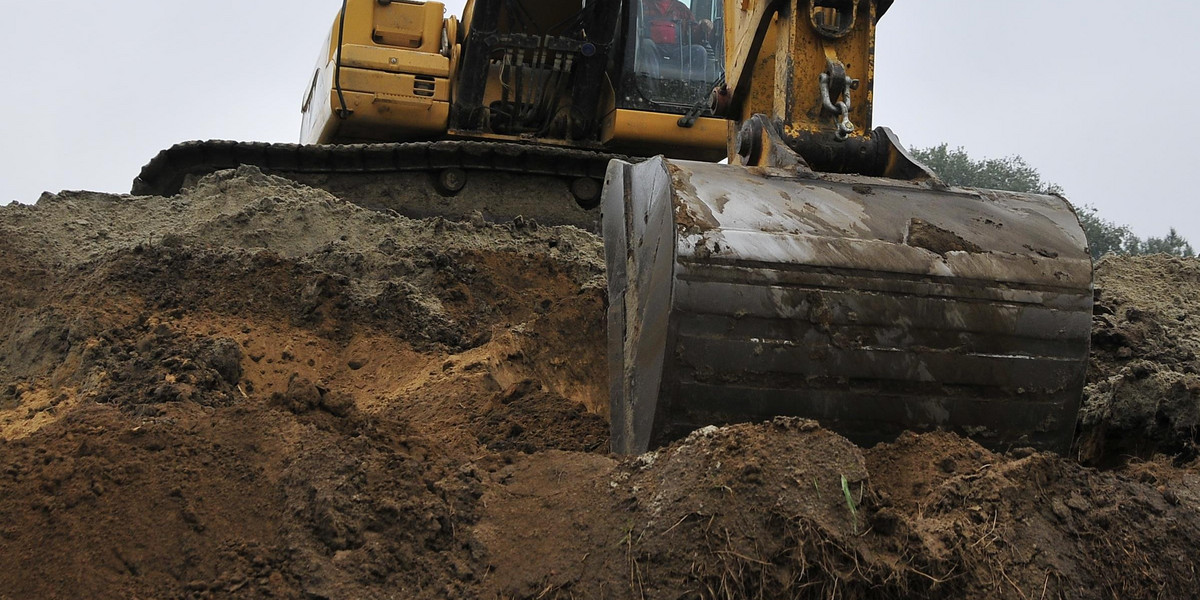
399 176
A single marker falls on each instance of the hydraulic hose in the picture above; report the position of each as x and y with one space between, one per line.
342 112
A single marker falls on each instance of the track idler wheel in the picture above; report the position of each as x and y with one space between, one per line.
450 182
587 192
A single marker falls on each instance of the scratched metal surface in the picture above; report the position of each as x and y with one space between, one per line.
871 305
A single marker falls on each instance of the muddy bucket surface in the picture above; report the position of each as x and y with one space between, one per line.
872 305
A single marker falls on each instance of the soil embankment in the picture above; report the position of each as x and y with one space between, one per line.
255 389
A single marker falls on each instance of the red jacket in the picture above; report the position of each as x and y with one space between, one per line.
661 17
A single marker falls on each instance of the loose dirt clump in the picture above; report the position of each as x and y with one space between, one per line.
255 389
1028 525
529 419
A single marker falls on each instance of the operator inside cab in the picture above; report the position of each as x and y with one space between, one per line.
673 44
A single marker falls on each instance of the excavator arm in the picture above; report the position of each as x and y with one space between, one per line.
808 39
809 68
825 274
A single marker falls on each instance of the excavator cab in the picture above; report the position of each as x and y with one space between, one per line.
676 56
626 76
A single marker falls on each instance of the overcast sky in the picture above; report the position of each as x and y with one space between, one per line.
1096 94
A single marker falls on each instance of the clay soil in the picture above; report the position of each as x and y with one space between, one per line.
255 389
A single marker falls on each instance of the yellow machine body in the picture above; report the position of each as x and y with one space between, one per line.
640 133
398 64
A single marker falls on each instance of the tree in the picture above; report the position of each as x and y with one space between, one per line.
1106 237
1173 243
1012 173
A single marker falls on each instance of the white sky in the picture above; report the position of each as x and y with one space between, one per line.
1096 94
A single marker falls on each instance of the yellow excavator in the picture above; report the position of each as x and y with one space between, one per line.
821 273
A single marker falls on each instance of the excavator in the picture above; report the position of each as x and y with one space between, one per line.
817 271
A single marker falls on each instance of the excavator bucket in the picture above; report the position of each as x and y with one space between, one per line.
871 305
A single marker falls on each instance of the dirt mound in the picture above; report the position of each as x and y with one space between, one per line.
789 510
1143 395
255 389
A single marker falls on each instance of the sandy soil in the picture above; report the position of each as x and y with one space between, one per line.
257 390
